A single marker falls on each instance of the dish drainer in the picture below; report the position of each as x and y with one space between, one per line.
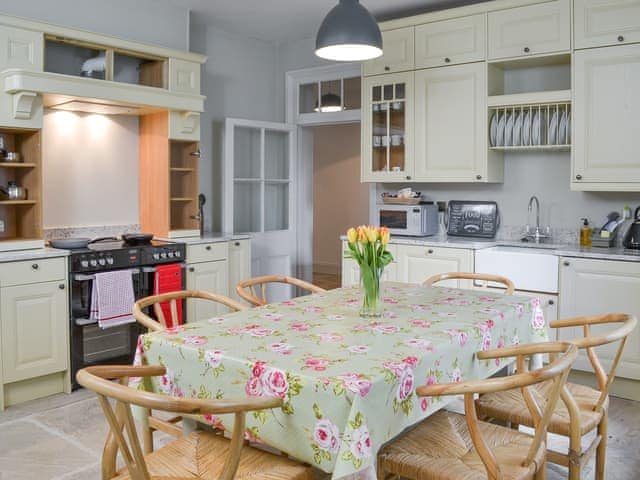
542 126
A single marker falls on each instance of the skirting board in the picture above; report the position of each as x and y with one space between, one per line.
327 268
621 387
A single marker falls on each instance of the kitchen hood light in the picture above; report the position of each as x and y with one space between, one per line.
349 33
331 103
91 107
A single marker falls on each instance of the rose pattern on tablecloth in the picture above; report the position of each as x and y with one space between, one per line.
348 385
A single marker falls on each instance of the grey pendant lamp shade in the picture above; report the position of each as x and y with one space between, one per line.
349 33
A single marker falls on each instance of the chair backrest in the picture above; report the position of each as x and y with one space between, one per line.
590 341
120 419
555 372
247 288
173 298
482 277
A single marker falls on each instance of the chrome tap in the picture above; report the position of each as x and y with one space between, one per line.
537 235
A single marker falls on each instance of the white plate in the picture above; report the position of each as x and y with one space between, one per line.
553 129
517 129
535 129
500 136
526 128
493 129
508 129
562 129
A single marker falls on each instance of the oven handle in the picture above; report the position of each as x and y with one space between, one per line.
80 277
154 270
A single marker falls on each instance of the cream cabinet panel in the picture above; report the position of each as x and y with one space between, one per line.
398 53
450 124
449 42
207 252
22 49
417 263
530 30
239 264
184 77
606 118
32 271
592 287
35 332
184 126
598 23
208 277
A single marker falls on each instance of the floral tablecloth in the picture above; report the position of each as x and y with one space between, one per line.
347 383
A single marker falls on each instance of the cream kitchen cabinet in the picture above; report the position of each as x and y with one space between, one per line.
20 48
450 126
184 76
209 277
239 264
449 42
184 126
530 30
417 263
387 128
398 53
351 270
591 287
598 23
606 122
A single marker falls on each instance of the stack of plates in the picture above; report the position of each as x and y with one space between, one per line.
530 126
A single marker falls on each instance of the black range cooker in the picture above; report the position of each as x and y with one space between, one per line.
90 344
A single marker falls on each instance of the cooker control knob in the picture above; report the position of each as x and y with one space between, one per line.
110 260
93 263
156 256
84 264
178 254
163 255
170 254
102 262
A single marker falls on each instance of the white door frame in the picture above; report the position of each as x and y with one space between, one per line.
304 156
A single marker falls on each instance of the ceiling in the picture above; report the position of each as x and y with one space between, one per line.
287 20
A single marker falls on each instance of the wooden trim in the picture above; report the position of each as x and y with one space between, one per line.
246 288
154 173
485 277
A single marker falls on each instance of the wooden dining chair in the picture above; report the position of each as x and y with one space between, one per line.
200 455
449 445
582 409
173 297
481 277
152 423
247 288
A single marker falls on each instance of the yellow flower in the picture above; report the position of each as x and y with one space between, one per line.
385 235
372 234
352 235
362 236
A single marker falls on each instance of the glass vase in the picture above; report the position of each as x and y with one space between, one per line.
371 295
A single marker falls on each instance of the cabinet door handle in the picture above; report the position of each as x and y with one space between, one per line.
527 49
566 264
208 247
578 177
551 302
387 68
192 269
408 177
447 60
35 266
478 177
620 38
430 251
61 286
237 244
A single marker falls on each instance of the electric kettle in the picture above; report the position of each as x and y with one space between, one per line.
632 238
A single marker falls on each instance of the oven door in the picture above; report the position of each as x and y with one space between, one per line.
401 220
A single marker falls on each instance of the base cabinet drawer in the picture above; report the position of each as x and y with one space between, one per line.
34 321
32 271
208 277
418 263
209 252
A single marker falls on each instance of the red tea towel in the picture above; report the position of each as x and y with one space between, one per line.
112 298
168 278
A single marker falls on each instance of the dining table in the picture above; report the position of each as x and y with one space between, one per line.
347 382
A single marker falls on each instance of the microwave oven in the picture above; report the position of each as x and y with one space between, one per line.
413 220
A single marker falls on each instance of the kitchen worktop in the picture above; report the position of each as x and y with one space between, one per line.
561 250
19 255
209 238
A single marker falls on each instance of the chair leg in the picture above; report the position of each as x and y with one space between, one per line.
601 451
542 473
147 434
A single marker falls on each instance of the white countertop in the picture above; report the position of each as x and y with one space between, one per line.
208 238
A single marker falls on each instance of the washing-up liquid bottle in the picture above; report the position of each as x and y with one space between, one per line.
585 233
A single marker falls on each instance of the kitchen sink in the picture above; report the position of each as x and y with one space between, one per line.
533 269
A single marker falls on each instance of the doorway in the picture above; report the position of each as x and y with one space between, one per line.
340 201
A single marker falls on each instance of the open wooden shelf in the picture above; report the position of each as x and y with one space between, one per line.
17 165
182 199
533 98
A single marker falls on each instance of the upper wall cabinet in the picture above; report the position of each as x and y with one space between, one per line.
21 49
606 120
449 42
184 77
398 54
530 30
598 23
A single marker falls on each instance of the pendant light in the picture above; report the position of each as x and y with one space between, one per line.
331 103
349 33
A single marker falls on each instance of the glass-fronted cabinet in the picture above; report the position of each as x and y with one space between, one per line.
387 149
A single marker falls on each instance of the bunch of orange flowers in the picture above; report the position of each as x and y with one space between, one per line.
368 246
368 234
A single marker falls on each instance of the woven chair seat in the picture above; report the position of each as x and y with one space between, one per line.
441 447
201 455
510 406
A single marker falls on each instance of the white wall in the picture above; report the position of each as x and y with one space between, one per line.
90 169
239 80
151 21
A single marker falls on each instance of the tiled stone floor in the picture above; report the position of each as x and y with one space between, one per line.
61 438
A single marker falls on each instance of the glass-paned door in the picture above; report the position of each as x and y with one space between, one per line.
388 127
260 193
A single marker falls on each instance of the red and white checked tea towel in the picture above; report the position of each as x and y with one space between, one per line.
112 298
